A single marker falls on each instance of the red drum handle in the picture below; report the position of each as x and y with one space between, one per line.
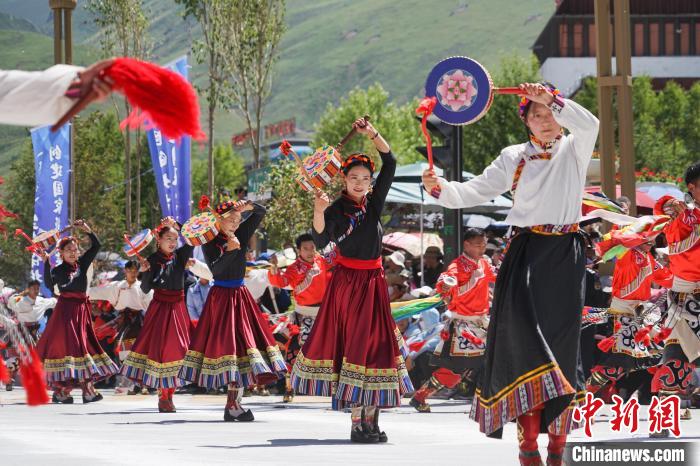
507 90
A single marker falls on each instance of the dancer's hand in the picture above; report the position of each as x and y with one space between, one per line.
90 80
536 92
321 201
430 180
145 265
82 225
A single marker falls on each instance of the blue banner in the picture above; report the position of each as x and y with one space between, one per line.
171 165
52 168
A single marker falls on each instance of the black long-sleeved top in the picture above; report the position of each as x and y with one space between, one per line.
166 273
230 265
357 228
72 277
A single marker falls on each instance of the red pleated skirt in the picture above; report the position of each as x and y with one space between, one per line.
159 350
69 348
354 353
232 343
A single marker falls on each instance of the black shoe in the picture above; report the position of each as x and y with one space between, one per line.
245 416
420 407
362 435
8 387
68 400
96 398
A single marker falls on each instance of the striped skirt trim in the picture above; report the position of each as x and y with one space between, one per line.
89 367
353 385
143 371
528 391
243 371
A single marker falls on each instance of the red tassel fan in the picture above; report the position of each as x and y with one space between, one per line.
606 344
444 335
158 96
33 380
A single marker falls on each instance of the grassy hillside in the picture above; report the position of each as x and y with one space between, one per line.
330 46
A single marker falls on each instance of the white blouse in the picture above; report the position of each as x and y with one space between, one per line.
549 191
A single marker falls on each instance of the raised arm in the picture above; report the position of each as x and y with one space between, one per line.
37 97
384 179
582 125
89 255
494 181
247 228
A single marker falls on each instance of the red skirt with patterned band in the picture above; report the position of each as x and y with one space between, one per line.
232 343
69 348
159 350
354 353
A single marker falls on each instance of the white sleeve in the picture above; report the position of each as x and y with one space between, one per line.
107 292
201 270
146 298
582 125
18 304
494 181
34 98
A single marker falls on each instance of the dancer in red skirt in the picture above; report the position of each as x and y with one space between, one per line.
355 353
159 350
68 347
232 344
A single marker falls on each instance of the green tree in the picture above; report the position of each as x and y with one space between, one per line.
230 173
99 191
123 25
396 123
212 16
253 34
290 211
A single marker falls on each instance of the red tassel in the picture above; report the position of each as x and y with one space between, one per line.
425 108
662 335
416 345
617 326
606 344
293 330
642 333
285 147
158 95
33 380
203 202
4 373
444 335
472 338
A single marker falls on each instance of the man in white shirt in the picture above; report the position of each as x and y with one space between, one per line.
532 362
29 307
34 98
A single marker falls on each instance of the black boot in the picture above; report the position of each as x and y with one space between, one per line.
97 397
65 399
245 416
360 434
